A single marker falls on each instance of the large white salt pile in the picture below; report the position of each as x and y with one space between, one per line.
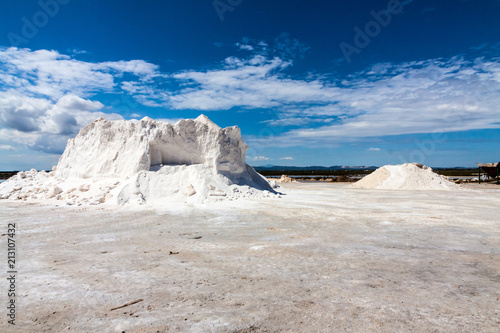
408 176
145 161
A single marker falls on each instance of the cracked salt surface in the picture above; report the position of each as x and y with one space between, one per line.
282 265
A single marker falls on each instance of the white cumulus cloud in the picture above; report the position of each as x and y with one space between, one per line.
46 93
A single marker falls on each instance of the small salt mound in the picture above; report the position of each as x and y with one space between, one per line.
286 179
145 162
408 176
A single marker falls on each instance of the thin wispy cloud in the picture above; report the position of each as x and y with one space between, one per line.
7 147
77 51
260 158
416 97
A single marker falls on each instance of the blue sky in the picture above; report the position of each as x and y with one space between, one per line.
308 82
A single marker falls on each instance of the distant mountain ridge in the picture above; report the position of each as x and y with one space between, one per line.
313 167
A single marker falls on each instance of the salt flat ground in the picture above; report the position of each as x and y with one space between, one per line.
324 258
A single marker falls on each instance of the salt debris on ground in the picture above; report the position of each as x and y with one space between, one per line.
146 161
408 176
